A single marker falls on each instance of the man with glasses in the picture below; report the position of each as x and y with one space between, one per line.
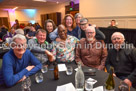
90 51
40 47
123 58
84 24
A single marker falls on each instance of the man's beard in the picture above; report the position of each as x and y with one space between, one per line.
90 39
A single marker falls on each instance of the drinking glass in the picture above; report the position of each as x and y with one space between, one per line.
123 86
89 84
27 81
26 84
44 68
25 88
39 77
69 70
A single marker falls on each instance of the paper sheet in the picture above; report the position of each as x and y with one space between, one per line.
92 79
100 88
66 87
62 67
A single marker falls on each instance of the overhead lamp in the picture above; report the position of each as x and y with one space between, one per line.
40 0
57 2
15 8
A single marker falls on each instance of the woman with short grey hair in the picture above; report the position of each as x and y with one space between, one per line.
78 16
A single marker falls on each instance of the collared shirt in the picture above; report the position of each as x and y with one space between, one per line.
38 50
64 52
92 55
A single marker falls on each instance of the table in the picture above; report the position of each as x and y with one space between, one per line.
49 84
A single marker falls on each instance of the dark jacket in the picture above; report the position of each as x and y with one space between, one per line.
124 63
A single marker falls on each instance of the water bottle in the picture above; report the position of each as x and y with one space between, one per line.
79 79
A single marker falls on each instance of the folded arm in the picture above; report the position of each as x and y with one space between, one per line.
34 61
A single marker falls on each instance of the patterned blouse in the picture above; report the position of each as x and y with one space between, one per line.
65 51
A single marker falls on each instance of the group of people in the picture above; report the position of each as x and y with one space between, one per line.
73 40
29 30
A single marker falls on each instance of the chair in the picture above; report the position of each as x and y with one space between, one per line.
105 69
26 31
0 63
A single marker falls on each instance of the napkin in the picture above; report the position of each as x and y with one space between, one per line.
76 69
100 88
66 87
62 67
92 79
88 69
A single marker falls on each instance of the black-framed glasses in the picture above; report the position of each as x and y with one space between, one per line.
83 24
62 31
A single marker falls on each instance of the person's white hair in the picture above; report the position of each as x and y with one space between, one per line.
90 28
117 33
78 14
20 31
18 36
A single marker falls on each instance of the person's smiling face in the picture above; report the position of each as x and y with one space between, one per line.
62 31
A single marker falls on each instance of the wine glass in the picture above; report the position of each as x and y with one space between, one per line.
123 86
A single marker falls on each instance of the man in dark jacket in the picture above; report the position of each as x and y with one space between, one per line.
123 58
84 24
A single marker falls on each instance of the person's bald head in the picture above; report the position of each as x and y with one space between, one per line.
119 34
62 31
117 39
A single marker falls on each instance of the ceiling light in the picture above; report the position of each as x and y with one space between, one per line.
40 0
15 8
57 2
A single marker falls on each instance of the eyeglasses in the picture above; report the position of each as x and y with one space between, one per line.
117 38
89 32
62 31
83 24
